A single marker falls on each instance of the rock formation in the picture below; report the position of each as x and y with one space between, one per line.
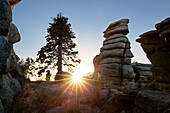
10 83
156 44
143 73
114 61
148 101
151 92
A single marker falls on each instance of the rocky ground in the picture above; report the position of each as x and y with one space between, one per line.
53 97
88 97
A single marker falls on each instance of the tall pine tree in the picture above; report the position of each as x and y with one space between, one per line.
58 50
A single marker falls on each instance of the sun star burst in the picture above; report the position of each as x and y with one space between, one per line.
77 78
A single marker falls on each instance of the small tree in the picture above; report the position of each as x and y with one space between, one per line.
30 67
59 46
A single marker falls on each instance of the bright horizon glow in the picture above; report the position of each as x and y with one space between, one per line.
79 72
83 68
77 78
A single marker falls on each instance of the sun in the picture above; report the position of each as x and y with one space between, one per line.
77 77
80 72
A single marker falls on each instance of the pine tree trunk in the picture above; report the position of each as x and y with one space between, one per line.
60 58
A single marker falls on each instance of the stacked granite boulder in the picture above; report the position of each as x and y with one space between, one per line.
143 73
10 83
156 44
114 61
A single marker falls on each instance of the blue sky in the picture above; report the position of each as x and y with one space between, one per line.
89 18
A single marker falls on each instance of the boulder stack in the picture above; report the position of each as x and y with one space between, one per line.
143 73
156 44
114 61
10 83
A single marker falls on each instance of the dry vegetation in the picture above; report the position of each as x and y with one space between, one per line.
40 97
34 99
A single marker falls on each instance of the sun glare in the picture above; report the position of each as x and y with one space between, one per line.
79 72
78 83
77 78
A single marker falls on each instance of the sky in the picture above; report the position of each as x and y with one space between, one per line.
88 18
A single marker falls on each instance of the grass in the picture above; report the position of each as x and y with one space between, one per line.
32 99
40 97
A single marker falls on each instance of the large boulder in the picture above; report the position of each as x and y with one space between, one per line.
111 60
116 45
5 17
114 61
5 50
156 44
9 87
13 59
120 26
1 107
117 53
119 29
152 102
14 35
163 24
112 40
13 2
113 70
143 73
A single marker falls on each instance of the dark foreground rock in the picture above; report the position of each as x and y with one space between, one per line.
5 50
5 17
10 85
156 44
152 102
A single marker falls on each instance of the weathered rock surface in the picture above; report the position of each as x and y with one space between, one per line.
13 59
1 107
9 35
163 24
112 40
9 87
13 2
135 100
116 45
156 44
114 61
117 53
122 101
117 23
5 17
152 102
59 109
117 27
5 50
120 29
114 70
143 73
14 35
